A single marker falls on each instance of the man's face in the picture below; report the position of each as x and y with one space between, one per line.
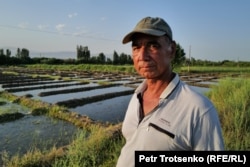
152 55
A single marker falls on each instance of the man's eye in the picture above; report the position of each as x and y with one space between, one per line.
154 46
135 47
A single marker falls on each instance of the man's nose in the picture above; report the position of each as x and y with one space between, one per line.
144 53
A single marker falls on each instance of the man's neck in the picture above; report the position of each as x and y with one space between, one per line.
156 86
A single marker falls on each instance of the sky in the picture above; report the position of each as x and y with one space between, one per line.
214 30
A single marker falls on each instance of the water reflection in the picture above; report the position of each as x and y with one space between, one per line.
34 132
83 94
111 110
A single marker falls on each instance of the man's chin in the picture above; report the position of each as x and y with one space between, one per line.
148 75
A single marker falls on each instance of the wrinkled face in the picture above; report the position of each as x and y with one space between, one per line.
152 55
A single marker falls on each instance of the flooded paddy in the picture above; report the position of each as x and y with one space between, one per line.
35 92
100 96
21 132
32 132
110 110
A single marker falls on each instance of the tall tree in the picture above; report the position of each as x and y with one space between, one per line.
24 56
123 58
8 53
179 58
1 52
24 53
115 58
18 54
83 54
101 58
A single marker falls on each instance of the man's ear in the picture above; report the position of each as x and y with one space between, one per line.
172 49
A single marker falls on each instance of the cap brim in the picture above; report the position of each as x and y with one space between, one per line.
129 36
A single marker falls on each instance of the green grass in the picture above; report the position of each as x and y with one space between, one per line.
96 149
129 69
217 69
86 67
232 100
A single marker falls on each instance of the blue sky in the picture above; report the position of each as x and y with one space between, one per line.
214 29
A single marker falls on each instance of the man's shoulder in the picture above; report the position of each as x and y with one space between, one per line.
190 97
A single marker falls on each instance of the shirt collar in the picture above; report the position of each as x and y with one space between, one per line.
171 86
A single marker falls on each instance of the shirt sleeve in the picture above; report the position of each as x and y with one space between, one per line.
207 134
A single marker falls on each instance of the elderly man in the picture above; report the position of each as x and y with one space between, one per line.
164 113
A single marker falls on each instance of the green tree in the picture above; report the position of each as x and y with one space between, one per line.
179 58
109 61
8 53
24 56
24 53
2 57
115 58
130 60
123 58
83 54
101 58
18 54
1 52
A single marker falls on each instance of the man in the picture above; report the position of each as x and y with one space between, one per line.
164 113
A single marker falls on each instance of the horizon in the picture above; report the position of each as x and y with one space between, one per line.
66 55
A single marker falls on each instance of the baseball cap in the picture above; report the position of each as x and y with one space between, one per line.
151 26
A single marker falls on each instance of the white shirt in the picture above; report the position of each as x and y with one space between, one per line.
183 120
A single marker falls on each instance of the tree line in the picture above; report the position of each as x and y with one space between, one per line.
22 56
83 57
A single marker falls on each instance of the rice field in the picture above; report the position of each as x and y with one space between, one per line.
47 112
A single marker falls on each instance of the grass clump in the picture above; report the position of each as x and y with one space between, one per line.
232 100
103 83
30 159
33 158
98 148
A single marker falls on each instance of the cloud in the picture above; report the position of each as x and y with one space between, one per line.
42 27
23 25
72 15
59 27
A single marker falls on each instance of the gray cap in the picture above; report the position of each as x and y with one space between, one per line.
150 26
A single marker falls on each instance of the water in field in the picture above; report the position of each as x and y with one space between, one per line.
35 92
29 132
82 94
110 110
